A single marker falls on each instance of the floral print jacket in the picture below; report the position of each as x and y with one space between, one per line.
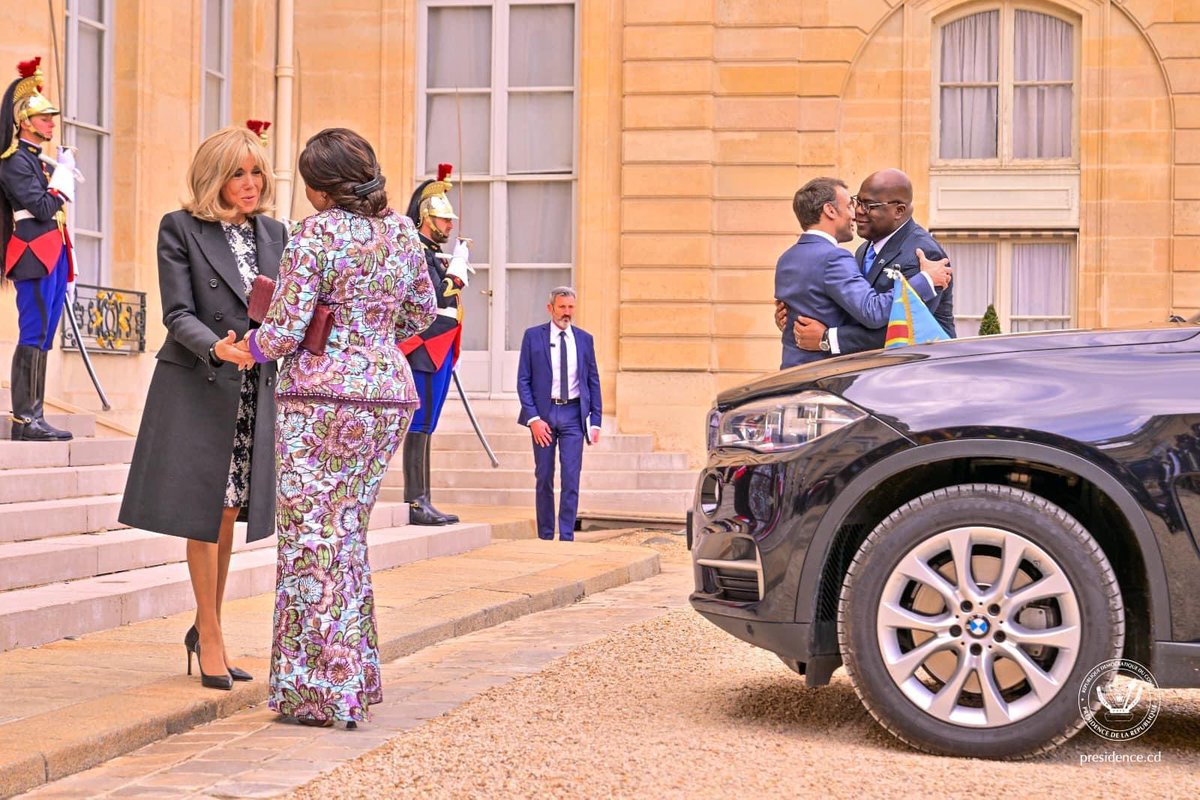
372 272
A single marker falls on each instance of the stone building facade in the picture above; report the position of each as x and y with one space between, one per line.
1054 147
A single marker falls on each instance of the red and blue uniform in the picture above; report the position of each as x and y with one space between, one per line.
38 254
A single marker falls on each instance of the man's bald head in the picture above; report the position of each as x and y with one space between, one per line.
885 203
890 184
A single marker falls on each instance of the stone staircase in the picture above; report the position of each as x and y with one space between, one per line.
623 476
67 567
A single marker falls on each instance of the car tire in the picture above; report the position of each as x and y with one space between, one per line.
997 676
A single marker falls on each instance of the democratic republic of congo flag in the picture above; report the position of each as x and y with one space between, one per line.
910 321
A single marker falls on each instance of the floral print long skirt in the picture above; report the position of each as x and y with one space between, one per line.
330 458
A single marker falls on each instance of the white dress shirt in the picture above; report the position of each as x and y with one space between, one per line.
572 364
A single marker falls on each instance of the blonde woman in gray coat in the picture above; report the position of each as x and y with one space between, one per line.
204 454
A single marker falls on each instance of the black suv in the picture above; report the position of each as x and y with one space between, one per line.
970 527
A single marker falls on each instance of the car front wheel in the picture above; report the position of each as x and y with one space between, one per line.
970 616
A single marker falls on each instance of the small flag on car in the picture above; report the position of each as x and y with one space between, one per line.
910 321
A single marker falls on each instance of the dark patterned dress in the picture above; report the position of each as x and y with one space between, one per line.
237 492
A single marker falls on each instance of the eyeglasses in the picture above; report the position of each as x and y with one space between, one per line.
869 206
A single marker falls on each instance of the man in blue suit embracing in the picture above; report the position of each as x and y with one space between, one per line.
558 385
817 279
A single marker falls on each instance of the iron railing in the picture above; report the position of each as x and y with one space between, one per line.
110 320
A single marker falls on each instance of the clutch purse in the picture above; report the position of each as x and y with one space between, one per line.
319 327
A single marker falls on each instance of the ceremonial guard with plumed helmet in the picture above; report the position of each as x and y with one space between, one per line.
433 353
34 242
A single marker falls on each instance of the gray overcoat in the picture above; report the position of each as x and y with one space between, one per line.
181 459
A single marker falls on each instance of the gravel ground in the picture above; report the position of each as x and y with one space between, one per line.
677 708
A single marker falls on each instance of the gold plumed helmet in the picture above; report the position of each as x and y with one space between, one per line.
434 200
28 100
24 99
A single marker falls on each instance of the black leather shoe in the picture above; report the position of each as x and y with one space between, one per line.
210 681
38 430
421 513
191 641
240 674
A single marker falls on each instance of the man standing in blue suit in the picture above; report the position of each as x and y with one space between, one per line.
818 279
883 214
558 385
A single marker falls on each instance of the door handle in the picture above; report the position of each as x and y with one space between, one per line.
488 292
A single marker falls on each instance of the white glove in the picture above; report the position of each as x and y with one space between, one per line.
63 180
66 156
460 262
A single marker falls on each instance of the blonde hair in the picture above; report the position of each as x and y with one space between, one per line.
217 159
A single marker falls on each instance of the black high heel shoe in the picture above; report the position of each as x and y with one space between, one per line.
211 681
192 638
192 643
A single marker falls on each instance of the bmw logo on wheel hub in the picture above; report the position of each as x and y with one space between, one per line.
978 627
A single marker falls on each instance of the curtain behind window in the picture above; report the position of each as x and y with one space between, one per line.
970 55
1041 294
974 283
460 64
1042 113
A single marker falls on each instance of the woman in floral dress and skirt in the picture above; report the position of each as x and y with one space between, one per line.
341 417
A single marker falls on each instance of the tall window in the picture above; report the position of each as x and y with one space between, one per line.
1006 87
87 124
215 66
1028 281
499 103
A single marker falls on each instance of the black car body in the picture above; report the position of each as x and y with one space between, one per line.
1082 439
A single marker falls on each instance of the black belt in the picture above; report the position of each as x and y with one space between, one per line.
571 402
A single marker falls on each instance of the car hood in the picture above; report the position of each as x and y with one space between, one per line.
823 373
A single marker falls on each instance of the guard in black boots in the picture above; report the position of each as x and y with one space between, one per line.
433 353
34 241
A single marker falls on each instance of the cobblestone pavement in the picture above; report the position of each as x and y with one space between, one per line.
626 694
251 754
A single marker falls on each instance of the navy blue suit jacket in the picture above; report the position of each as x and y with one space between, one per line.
535 376
816 278
901 252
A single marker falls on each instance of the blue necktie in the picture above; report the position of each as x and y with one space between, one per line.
869 258
563 393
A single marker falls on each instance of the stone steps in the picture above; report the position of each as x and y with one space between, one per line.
40 519
57 483
82 452
523 459
67 558
674 502
519 440
589 479
52 611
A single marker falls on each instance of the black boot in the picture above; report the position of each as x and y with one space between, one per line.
26 427
39 397
416 481
450 518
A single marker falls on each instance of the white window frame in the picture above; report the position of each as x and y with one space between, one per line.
1002 290
503 367
71 123
1004 110
220 71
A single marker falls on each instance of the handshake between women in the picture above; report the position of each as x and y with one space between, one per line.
235 352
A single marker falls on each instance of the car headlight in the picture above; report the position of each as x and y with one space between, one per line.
781 423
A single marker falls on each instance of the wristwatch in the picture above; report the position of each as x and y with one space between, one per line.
213 358
824 345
